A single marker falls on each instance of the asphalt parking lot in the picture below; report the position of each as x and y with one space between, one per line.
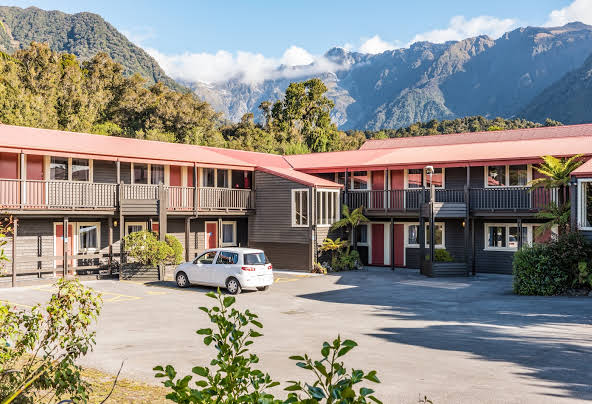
453 340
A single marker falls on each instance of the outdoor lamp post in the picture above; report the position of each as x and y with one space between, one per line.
429 170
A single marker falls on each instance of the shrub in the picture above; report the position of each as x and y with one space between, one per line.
441 255
552 268
39 347
144 247
232 377
177 248
317 268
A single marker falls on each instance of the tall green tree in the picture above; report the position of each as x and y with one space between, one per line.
351 220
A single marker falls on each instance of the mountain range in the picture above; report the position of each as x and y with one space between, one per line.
533 73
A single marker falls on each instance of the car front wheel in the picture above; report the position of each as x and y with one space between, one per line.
233 286
182 280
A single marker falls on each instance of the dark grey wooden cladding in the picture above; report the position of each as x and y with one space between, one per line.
139 206
291 256
272 221
449 209
587 234
35 238
104 171
489 261
453 242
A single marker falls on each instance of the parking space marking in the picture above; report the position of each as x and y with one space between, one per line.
107 296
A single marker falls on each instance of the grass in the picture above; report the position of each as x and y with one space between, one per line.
126 391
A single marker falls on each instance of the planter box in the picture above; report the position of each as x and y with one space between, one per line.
136 271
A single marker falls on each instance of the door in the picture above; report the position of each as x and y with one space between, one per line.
201 269
211 235
59 244
226 265
35 186
397 198
399 244
175 176
377 244
377 199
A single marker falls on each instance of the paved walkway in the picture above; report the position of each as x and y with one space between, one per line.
463 340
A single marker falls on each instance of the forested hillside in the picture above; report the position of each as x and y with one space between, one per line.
82 34
47 89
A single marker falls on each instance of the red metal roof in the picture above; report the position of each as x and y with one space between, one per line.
31 140
585 170
444 155
300 177
257 158
480 137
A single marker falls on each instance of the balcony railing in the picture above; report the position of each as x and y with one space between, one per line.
480 199
31 195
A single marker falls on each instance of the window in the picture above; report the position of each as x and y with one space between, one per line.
222 179
505 236
255 259
59 168
80 170
206 258
327 207
414 178
88 236
362 235
241 179
508 176
156 174
360 180
585 204
413 235
228 233
227 258
300 207
140 173
340 178
208 177
132 227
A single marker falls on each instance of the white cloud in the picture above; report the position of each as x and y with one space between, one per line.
139 35
461 28
579 10
376 45
246 66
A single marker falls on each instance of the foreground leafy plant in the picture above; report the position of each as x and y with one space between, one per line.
233 378
39 347
332 383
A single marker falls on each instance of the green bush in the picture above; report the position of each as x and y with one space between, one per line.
441 255
232 376
144 247
552 268
177 248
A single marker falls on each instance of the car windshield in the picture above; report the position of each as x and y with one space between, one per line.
256 259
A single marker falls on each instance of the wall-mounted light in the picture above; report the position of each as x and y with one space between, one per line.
115 223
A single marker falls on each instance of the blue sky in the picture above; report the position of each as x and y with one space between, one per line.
225 35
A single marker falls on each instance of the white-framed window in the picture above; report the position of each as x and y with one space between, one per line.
132 227
412 235
414 178
362 235
357 180
89 236
228 234
216 178
505 236
70 169
328 206
156 174
300 207
585 204
515 175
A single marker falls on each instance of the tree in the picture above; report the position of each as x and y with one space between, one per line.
556 175
351 221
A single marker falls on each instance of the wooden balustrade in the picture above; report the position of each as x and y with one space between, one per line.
225 198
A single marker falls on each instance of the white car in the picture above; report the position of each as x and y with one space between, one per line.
232 268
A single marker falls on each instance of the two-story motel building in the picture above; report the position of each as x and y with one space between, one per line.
73 196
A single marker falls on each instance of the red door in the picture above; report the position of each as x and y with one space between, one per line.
175 173
399 244
377 244
397 199
59 244
211 234
190 176
377 200
35 188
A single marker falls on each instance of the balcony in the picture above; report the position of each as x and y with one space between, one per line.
88 196
508 199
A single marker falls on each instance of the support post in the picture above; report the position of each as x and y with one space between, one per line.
421 232
23 177
162 212
473 269
118 171
467 229
195 195
219 232
110 259
520 241
573 197
345 186
121 242
14 236
187 232
65 247
392 244
432 224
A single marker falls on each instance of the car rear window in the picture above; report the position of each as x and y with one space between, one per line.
255 259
